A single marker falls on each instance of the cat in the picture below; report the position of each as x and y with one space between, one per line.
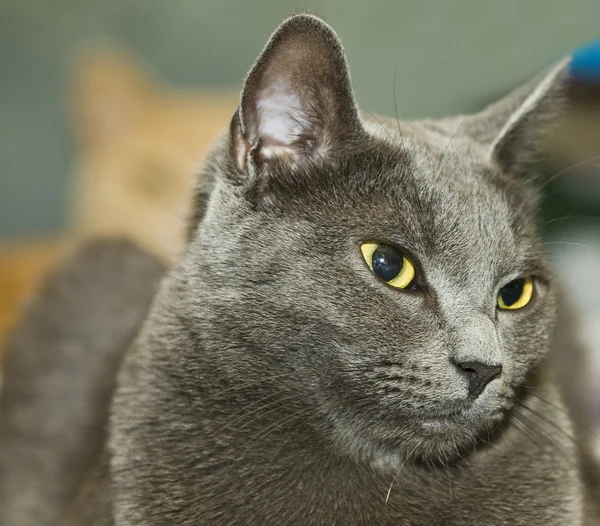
359 328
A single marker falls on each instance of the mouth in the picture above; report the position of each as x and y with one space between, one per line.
431 439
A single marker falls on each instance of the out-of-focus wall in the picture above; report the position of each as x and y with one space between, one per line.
447 56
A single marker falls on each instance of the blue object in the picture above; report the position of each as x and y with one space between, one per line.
585 63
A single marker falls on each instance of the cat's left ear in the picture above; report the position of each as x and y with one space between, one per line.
524 136
533 123
297 102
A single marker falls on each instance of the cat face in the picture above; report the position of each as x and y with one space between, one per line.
316 211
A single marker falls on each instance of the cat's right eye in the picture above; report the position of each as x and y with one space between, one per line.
389 263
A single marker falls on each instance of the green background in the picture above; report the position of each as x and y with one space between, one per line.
447 56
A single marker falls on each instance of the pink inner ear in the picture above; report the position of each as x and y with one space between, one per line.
297 100
281 119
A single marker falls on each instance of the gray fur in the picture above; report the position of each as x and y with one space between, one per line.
59 374
277 381
301 382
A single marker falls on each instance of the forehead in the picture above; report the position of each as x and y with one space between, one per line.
447 180
459 189
467 213
444 202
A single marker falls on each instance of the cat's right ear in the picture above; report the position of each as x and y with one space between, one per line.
297 103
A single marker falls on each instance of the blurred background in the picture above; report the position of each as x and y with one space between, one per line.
107 107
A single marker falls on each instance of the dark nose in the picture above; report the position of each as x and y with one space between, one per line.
479 375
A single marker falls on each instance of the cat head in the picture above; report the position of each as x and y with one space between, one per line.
137 141
388 273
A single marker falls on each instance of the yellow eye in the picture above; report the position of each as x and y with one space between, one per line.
389 263
516 294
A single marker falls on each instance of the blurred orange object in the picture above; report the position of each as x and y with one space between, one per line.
21 267
137 145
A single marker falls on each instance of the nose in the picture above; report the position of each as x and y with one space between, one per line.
478 375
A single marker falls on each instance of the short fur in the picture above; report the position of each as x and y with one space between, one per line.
306 390
276 380
59 375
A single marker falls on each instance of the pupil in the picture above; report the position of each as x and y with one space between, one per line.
512 292
387 262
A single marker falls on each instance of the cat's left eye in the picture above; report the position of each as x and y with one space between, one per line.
516 294
389 263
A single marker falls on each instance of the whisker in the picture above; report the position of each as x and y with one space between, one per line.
240 415
581 217
569 243
571 219
558 220
278 424
387 497
396 110
562 410
568 169
549 421
537 429
383 128
522 430
437 170
255 382
475 472
489 441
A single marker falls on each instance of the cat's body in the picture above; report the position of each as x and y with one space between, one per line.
60 372
279 380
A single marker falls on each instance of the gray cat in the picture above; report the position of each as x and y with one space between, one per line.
359 329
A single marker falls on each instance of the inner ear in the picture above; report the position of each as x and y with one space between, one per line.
521 140
297 101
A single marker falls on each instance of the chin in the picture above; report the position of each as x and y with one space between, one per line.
431 442
444 441
389 439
